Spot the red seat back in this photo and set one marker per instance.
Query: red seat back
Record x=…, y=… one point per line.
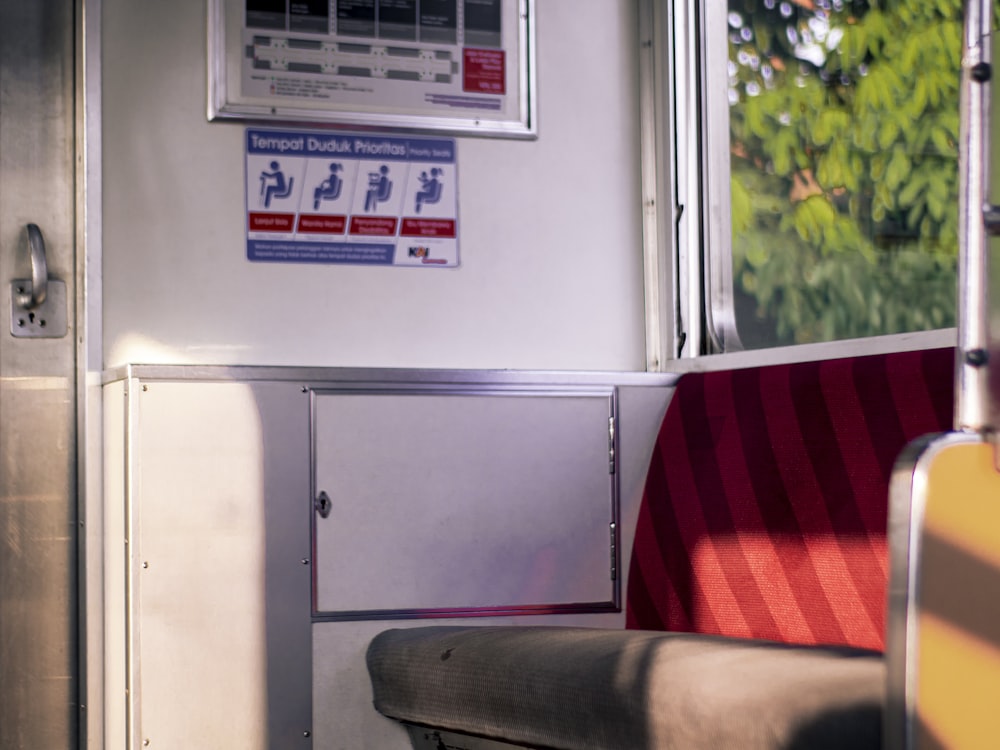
x=764, y=512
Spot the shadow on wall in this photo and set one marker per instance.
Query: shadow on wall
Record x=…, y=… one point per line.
x=288, y=510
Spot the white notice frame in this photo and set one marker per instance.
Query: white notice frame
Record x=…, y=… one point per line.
x=464, y=67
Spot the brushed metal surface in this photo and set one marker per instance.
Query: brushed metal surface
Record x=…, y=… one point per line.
x=972, y=402
x=38, y=591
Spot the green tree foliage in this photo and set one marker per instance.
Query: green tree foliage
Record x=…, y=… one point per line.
x=844, y=132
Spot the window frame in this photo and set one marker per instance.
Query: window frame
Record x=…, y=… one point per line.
x=687, y=230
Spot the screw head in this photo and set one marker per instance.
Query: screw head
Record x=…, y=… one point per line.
x=976, y=357
x=981, y=72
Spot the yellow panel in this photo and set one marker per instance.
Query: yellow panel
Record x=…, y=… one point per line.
x=963, y=504
x=958, y=668
x=957, y=698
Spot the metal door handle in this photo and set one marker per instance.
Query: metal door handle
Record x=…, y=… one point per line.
x=35, y=296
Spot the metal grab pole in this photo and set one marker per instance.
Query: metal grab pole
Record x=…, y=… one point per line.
x=975, y=221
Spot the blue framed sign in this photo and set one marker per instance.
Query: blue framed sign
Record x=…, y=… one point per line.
x=334, y=197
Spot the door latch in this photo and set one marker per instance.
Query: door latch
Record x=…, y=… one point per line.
x=38, y=304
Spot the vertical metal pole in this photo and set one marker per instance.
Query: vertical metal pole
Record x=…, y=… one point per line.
x=972, y=402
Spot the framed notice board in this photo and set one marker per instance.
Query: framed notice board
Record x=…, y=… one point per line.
x=459, y=66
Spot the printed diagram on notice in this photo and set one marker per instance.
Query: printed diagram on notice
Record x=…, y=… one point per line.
x=419, y=66
x=274, y=185
x=320, y=197
x=401, y=57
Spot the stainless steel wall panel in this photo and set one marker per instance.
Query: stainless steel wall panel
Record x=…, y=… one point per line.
x=39, y=675
x=114, y=716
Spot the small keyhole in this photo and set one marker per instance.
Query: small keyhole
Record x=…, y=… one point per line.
x=323, y=505
x=31, y=317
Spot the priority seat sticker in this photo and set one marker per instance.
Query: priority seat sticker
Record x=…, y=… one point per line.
x=334, y=197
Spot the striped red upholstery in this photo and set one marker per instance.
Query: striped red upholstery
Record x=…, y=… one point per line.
x=764, y=512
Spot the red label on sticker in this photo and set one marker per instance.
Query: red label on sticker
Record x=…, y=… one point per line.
x=483, y=71
x=322, y=224
x=380, y=226
x=428, y=228
x=261, y=222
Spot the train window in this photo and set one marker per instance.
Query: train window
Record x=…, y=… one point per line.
x=830, y=143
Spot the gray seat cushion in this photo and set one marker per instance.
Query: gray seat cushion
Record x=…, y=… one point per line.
x=592, y=689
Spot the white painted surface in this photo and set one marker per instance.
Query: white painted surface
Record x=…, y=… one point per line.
x=551, y=274
x=208, y=599
x=474, y=499
x=198, y=543
x=208, y=604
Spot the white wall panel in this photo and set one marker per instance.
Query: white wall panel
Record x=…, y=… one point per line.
x=207, y=522
x=207, y=578
x=551, y=273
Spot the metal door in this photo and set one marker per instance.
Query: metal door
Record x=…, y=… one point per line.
x=39, y=673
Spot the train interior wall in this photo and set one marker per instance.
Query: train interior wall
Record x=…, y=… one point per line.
x=550, y=279
x=549, y=229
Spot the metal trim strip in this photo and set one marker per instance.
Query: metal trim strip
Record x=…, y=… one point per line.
x=373, y=377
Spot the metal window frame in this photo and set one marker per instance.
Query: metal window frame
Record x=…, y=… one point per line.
x=684, y=128
x=717, y=258
x=660, y=209
x=703, y=282
x=704, y=226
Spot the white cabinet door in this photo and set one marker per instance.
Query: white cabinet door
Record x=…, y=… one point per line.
x=463, y=502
